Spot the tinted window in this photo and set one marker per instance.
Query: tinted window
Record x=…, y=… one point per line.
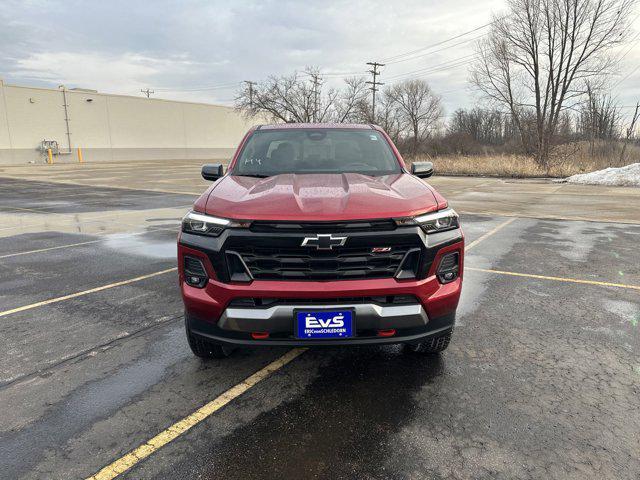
x=272, y=152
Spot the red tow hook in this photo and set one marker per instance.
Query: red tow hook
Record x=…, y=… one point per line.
x=387, y=333
x=260, y=335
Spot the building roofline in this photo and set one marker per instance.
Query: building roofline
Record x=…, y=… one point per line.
x=83, y=91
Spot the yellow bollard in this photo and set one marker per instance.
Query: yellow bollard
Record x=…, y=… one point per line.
x=49, y=156
x=80, y=159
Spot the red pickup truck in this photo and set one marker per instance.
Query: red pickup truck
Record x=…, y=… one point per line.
x=318, y=235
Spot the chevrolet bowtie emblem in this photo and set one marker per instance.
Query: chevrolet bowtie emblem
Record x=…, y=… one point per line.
x=324, y=241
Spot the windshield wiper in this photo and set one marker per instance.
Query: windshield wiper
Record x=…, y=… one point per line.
x=255, y=175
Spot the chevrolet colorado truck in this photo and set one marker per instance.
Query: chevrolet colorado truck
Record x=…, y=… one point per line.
x=316, y=235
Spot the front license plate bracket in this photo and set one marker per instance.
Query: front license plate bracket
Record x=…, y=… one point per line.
x=327, y=324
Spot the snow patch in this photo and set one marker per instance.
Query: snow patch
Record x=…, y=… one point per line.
x=628, y=176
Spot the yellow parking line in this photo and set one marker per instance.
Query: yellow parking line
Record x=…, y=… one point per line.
x=85, y=292
x=557, y=279
x=488, y=234
x=129, y=460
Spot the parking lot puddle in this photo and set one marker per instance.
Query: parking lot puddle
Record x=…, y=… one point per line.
x=89, y=403
x=136, y=244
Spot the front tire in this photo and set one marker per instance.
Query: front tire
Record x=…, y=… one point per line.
x=203, y=348
x=433, y=345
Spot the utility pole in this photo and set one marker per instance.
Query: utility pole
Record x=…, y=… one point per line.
x=65, y=105
x=250, y=85
x=147, y=92
x=316, y=92
x=374, y=85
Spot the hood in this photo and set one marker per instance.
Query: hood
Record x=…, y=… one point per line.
x=320, y=197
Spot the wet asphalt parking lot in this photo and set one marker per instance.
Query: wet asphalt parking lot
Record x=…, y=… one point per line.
x=542, y=379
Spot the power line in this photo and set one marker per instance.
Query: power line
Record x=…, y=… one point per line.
x=430, y=71
x=627, y=76
x=631, y=47
x=441, y=66
x=374, y=84
x=394, y=59
x=473, y=39
x=624, y=55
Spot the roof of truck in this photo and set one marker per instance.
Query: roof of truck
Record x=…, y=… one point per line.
x=315, y=126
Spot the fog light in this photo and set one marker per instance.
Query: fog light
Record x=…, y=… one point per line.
x=449, y=267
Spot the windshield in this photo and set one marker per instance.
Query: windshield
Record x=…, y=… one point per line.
x=273, y=152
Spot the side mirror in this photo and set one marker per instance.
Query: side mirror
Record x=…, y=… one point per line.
x=422, y=169
x=212, y=171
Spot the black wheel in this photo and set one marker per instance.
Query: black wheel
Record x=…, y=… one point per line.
x=203, y=348
x=435, y=344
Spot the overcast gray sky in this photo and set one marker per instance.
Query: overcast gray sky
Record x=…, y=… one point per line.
x=200, y=50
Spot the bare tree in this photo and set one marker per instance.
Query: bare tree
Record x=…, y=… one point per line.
x=482, y=125
x=388, y=115
x=538, y=56
x=300, y=98
x=630, y=132
x=417, y=107
x=599, y=117
x=347, y=105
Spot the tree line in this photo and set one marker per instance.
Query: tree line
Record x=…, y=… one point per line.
x=409, y=111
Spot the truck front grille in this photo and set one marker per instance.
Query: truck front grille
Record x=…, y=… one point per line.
x=266, y=263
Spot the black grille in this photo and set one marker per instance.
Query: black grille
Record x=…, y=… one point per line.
x=448, y=262
x=194, y=266
x=266, y=263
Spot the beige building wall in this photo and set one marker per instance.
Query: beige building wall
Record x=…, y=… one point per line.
x=113, y=127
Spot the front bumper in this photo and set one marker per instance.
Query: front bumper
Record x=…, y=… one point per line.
x=218, y=335
x=212, y=313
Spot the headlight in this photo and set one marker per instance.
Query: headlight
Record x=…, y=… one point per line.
x=441, y=221
x=200, y=224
